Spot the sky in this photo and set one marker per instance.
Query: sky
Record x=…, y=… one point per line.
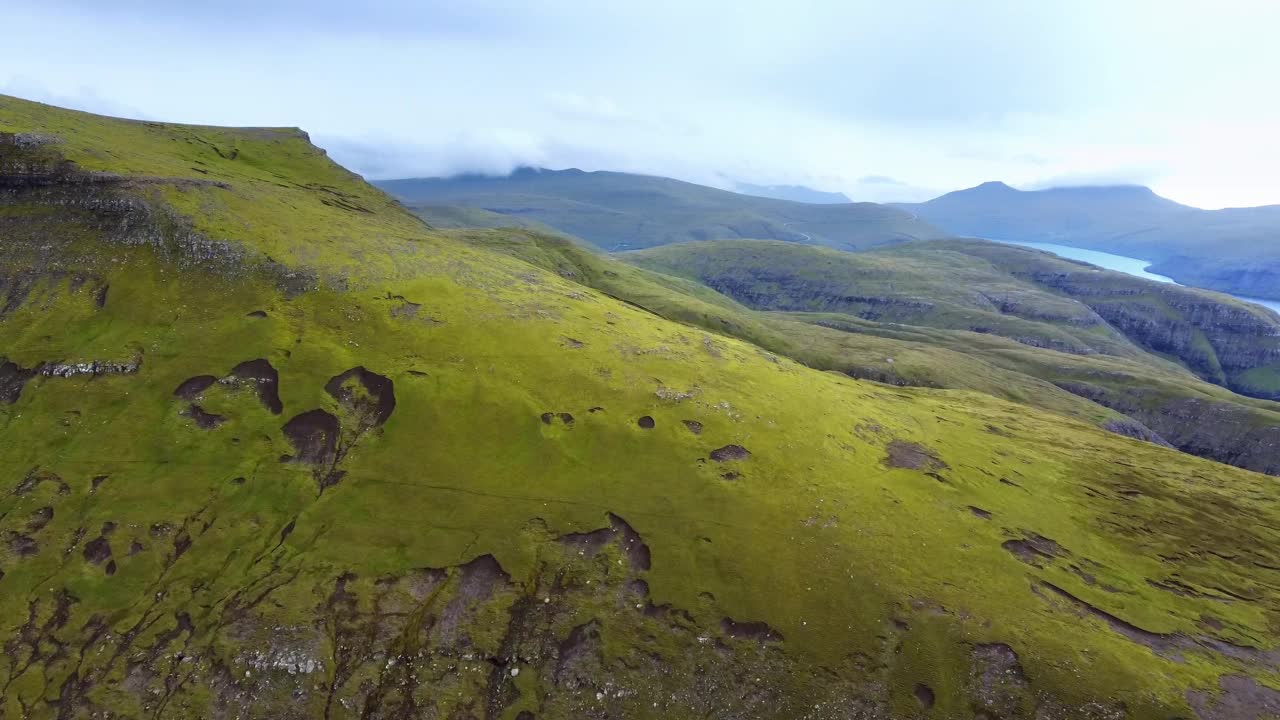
x=884, y=101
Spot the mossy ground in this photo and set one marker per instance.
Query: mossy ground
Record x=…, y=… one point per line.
x=222, y=550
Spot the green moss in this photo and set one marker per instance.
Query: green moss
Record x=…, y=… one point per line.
x=818, y=534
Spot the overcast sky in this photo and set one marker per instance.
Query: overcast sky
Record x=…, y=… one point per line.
x=881, y=100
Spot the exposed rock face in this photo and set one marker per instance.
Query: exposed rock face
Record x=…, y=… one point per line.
x=1217, y=339
x=33, y=172
x=1217, y=430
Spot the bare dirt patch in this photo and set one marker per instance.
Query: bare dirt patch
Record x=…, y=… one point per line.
x=579, y=656
x=590, y=543
x=1000, y=687
x=748, y=630
x=1241, y=698
x=314, y=436
x=39, y=518
x=1034, y=549
x=693, y=426
x=204, y=420
x=12, y=380
x=979, y=512
x=191, y=388
x=646, y=422
x=924, y=694
x=264, y=378
x=912, y=456
x=97, y=551
x=729, y=453
x=368, y=396
x=22, y=545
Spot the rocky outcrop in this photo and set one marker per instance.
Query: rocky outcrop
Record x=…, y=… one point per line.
x=1227, y=432
x=1215, y=337
x=115, y=208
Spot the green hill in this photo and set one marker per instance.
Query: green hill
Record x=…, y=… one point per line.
x=275, y=448
x=1235, y=250
x=618, y=211
x=1140, y=348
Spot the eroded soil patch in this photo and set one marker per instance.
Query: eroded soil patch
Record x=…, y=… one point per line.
x=912, y=456
x=729, y=453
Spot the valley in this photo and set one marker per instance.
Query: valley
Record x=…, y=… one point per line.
x=275, y=447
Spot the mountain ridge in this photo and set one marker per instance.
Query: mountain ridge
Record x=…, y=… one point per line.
x=274, y=447
x=627, y=211
x=1235, y=250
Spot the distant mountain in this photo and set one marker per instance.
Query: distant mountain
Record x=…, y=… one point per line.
x=794, y=193
x=1235, y=250
x=622, y=211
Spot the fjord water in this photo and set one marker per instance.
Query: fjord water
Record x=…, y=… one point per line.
x=1120, y=263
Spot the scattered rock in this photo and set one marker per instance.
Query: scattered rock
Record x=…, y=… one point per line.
x=693, y=426
x=673, y=395
x=1000, y=688
x=1241, y=698
x=93, y=367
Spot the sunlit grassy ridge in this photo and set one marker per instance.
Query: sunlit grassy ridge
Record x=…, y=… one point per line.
x=815, y=546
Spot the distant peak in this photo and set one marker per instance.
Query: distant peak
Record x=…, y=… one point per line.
x=993, y=186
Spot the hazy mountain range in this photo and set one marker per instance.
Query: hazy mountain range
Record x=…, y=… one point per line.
x=1234, y=250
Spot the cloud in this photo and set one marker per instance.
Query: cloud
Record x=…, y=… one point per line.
x=879, y=180
x=82, y=97
x=826, y=93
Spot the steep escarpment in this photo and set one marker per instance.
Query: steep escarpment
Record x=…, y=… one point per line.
x=904, y=285
x=439, y=481
x=1224, y=341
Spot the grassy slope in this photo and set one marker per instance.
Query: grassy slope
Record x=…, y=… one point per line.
x=1099, y=389
x=943, y=289
x=1023, y=294
x=269, y=595
x=937, y=288
x=623, y=211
